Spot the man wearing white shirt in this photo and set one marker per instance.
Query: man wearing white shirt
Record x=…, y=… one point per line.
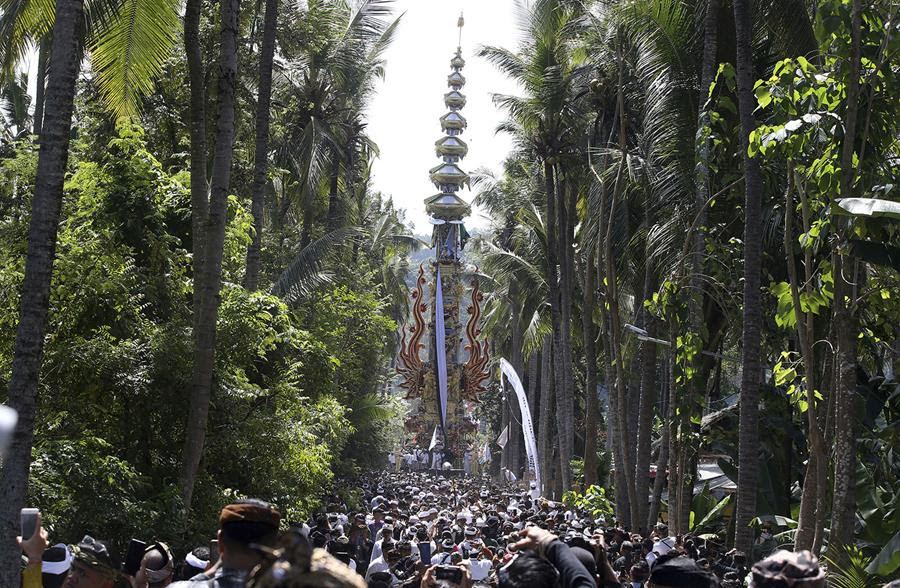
x=382, y=563
x=443, y=556
x=479, y=567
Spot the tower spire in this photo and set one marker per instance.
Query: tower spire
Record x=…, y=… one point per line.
x=447, y=176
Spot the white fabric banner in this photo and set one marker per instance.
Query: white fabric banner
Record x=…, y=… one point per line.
x=437, y=441
x=527, y=428
x=503, y=439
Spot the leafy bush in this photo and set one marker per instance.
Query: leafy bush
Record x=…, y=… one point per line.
x=593, y=501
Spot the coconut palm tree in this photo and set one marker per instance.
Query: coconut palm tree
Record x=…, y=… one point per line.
x=197, y=122
x=516, y=307
x=34, y=301
x=261, y=147
x=127, y=42
x=544, y=123
x=748, y=451
x=207, y=309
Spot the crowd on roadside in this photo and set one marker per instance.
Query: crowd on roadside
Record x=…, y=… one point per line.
x=417, y=529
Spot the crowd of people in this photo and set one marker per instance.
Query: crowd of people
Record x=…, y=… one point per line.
x=423, y=529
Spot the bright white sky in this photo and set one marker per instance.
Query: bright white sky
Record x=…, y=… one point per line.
x=403, y=117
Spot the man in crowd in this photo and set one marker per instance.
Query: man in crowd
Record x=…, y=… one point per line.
x=157, y=567
x=243, y=527
x=93, y=566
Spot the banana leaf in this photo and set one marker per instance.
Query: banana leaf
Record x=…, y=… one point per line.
x=888, y=559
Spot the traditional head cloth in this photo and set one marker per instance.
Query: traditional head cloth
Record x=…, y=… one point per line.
x=168, y=568
x=682, y=572
x=95, y=555
x=57, y=560
x=785, y=569
x=250, y=512
x=195, y=562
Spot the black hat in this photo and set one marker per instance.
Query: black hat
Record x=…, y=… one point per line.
x=681, y=572
x=55, y=565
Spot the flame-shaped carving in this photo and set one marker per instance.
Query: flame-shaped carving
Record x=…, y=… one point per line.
x=410, y=366
x=474, y=372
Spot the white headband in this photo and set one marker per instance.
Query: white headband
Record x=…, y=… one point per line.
x=58, y=567
x=194, y=561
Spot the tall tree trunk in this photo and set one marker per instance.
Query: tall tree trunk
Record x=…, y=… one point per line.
x=613, y=437
x=589, y=332
x=816, y=479
x=612, y=300
x=648, y=400
x=566, y=397
x=213, y=242
x=40, y=85
x=673, y=426
x=261, y=155
x=556, y=319
x=546, y=407
x=334, y=198
x=662, y=460
x=843, y=501
x=34, y=301
x=197, y=116
x=684, y=460
x=748, y=434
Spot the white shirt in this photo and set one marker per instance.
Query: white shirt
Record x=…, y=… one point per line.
x=377, y=551
x=478, y=569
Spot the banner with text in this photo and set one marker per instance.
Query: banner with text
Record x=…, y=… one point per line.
x=527, y=428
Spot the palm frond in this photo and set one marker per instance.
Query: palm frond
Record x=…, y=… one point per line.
x=505, y=60
x=14, y=102
x=311, y=155
x=537, y=328
x=128, y=51
x=511, y=266
x=305, y=273
x=847, y=569
x=22, y=24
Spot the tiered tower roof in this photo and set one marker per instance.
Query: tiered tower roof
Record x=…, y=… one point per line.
x=447, y=176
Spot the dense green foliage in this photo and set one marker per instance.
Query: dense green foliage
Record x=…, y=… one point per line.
x=623, y=203
x=299, y=378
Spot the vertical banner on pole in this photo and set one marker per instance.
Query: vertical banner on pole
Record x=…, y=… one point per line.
x=527, y=429
x=440, y=344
